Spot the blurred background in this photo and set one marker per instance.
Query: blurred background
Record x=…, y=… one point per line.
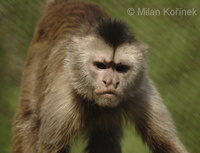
x=174, y=60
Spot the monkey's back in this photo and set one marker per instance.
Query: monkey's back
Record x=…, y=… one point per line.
x=73, y=17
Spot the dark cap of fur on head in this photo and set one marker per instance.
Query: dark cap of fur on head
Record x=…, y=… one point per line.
x=115, y=33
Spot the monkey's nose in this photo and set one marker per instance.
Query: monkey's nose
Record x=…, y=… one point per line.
x=105, y=82
x=117, y=83
x=108, y=83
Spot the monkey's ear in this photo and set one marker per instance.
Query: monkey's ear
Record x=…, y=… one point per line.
x=142, y=47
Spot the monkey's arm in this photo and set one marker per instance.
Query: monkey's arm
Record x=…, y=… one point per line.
x=153, y=122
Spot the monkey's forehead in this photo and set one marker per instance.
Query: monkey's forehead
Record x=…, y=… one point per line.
x=115, y=33
x=95, y=47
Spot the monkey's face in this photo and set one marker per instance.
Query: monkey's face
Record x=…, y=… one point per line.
x=102, y=74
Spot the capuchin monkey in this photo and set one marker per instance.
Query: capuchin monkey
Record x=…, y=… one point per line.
x=85, y=74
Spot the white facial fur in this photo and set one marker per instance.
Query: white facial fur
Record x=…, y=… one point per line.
x=101, y=74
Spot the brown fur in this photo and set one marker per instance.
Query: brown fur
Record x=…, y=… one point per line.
x=52, y=112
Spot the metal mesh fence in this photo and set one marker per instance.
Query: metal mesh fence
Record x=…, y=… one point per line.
x=170, y=28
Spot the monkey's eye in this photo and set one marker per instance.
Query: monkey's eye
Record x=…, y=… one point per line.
x=122, y=68
x=100, y=65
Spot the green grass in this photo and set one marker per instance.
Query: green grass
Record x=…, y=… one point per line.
x=174, y=60
x=8, y=100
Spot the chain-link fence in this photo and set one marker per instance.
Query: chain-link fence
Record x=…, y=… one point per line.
x=170, y=28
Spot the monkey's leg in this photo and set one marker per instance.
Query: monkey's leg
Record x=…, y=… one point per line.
x=105, y=141
x=25, y=132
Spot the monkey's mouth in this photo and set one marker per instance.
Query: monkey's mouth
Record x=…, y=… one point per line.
x=107, y=94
